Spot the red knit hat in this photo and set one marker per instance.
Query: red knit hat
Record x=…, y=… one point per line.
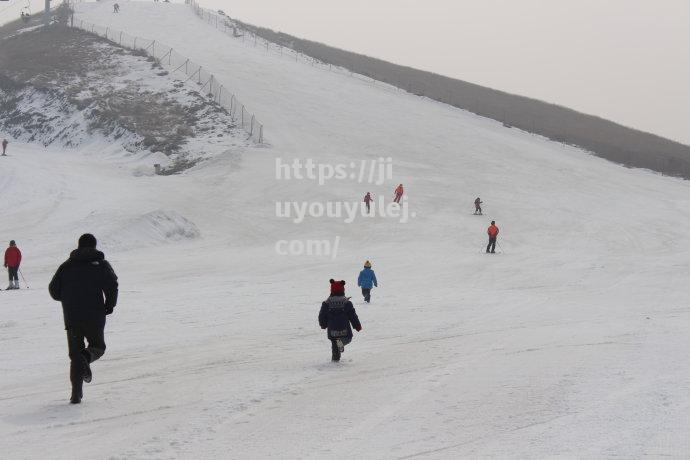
x=337, y=287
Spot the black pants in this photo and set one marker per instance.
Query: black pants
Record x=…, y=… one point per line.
x=13, y=273
x=78, y=352
x=335, y=352
x=367, y=294
x=478, y=210
x=492, y=244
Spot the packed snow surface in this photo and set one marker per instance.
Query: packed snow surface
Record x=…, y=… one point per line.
x=572, y=342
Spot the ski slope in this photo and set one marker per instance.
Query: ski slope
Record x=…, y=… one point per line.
x=570, y=343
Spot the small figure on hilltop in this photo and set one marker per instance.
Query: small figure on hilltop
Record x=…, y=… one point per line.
x=4, y=147
x=367, y=280
x=116, y=8
x=398, y=193
x=367, y=200
x=13, y=258
x=336, y=315
x=478, y=206
x=87, y=287
x=493, y=234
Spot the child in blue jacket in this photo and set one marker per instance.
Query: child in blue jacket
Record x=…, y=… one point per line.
x=367, y=280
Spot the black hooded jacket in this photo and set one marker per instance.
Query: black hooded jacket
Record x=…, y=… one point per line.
x=87, y=287
x=336, y=314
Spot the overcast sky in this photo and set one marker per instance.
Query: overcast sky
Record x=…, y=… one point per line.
x=626, y=60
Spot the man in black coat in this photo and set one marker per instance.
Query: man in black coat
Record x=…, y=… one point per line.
x=87, y=287
x=336, y=315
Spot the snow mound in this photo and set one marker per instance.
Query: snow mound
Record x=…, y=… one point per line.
x=154, y=227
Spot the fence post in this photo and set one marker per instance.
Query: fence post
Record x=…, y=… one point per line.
x=220, y=91
x=106, y=32
x=120, y=38
x=251, y=127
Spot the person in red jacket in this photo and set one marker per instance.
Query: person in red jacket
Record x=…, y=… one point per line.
x=398, y=194
x=367, y=200
x=13, y=257
x=493, y=234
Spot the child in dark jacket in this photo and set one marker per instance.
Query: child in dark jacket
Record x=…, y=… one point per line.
x=336, y=315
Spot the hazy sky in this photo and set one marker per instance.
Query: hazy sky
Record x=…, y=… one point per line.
x=626, y=60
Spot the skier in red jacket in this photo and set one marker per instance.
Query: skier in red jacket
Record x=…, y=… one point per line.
x=367, y=200
x=13, y=257
x=493, y=234
x=398, y=193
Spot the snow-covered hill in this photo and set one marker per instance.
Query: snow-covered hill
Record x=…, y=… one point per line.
x=569, y=343
x=64, y=88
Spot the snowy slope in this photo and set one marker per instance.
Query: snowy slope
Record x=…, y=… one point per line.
x=571, y=343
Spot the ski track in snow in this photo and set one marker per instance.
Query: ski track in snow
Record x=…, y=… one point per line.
x=571, y=343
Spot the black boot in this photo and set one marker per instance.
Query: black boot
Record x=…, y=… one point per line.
x=86, y=370
x=335, y=351
x=76, y=395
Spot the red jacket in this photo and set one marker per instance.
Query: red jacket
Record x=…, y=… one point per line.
x=399, y=190
x=13, y=257
x=492, y=231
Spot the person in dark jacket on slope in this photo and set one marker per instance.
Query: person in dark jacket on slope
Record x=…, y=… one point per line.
x=336, y=315
x=478, y=206
x=367, y=280
x=87, y=287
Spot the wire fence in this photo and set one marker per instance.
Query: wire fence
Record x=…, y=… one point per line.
x=226, y=24
x=176, y=63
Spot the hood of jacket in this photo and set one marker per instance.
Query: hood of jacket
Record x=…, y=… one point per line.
x=86, y=255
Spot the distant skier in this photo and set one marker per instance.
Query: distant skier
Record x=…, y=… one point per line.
x=87, y=287
x=367, y=200
x=13, y=258
x=367, y=280
x=398, y=193
x=116, y=8
x=478, y=206
x=4, y=147
x=336, y=315
x=493, y=234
